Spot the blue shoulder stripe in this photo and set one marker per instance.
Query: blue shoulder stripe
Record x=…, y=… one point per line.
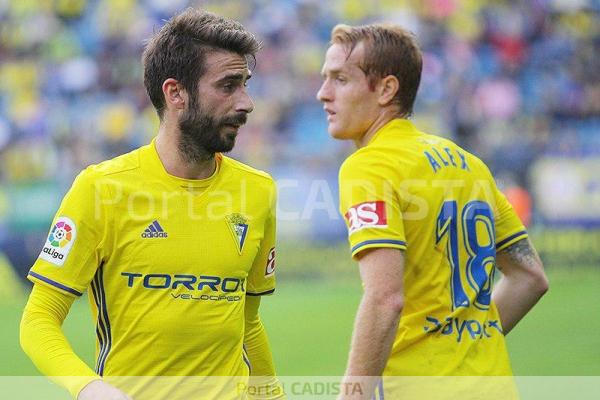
x=55, y=284
x=377, y=241
x=508, y=239
x=260, y=293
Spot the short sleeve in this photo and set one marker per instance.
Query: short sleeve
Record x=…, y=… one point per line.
x=261, y=279
x=370, y=205
x=73, y=249
x=509, y=228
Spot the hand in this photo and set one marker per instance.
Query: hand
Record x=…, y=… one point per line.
x=100, y=390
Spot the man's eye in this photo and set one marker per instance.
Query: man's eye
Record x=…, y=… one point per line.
x=340, y=79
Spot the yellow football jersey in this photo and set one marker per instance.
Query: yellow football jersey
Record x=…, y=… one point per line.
x=168, y=262
x=427, y=196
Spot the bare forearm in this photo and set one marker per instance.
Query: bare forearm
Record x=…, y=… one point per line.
x=523, y=283
x=374, y=332
x=514, y=297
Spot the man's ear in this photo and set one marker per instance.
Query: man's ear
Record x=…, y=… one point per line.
x=388, y=87
x=175, y=94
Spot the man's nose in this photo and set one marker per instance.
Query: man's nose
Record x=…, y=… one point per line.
x=324, y=93
x=245, y=103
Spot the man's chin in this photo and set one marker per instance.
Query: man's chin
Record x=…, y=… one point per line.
x=336, y=133
x=227, y=144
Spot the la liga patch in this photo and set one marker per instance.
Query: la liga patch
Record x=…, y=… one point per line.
x=59, y=242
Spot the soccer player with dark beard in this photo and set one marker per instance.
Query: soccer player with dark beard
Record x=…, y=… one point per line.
x=175, y=241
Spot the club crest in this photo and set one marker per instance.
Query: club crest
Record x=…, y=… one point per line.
x=238, y=225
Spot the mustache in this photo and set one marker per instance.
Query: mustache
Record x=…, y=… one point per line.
x=237, y=119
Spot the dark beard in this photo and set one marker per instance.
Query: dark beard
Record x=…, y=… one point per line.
x=200, y=135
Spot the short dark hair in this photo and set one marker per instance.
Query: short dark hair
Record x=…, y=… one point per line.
x=178, y=50
x=389, y=50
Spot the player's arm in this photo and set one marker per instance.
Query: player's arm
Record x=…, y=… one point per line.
x=522, y=284
x=377, y=318
x=64, y=269
x=256, y=345
x=44, y=342
x=256, y=342
x=261, y=281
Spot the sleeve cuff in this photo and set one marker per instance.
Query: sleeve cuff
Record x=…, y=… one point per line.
x=265, y=293
x=377, y=243
x=37, y=278
x=515, y=237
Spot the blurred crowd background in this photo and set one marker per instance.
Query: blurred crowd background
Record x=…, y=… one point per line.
x=515, y=82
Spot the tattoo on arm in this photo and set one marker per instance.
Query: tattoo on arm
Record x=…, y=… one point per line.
x=522, y=253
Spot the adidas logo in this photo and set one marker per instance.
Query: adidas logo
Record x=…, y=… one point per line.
x=154, y=230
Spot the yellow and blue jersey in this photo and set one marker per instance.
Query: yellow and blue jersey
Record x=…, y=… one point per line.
x=168, y=262
x=439, y=204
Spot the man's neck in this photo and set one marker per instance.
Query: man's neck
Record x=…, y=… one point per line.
x=167, y=147
x=381, y=120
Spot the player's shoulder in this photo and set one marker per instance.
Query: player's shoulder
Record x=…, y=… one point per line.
x=123, y=163
x=370, y=160
x=448, y=151
x=97, y=175
x=243, y=171
x=356, y=161
x=474, y=161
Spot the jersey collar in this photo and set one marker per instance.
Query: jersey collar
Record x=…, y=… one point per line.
x=398, y=127
x=153, y=160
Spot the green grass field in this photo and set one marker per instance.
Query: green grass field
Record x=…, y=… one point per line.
x=309, y=324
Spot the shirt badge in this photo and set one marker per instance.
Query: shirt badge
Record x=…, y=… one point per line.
x=59, y=242
x=238, y=225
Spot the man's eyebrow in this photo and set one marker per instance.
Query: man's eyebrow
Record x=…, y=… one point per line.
x=235, y=77
x=330, y=72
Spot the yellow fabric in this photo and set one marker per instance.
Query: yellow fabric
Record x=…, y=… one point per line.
x=169, y=266
x=425, y=195
x=44, y=342
x=263, y=382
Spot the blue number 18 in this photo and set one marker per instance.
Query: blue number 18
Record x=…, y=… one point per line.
x=477, y=218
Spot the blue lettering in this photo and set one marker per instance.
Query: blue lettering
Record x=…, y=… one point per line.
x=476, y=329
x=189, y=282
x=472, y=332
x=130, y=277
x=485, y=332
x=211, y=281
x=450, y=156
x=164, y=285
x=495, y=324
x=437, y=325
x=448, y=329
x=434, y=164
x=460, y=327
x=463, y=160
x=441, y=158
x=184, y=280
x=229, y=290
